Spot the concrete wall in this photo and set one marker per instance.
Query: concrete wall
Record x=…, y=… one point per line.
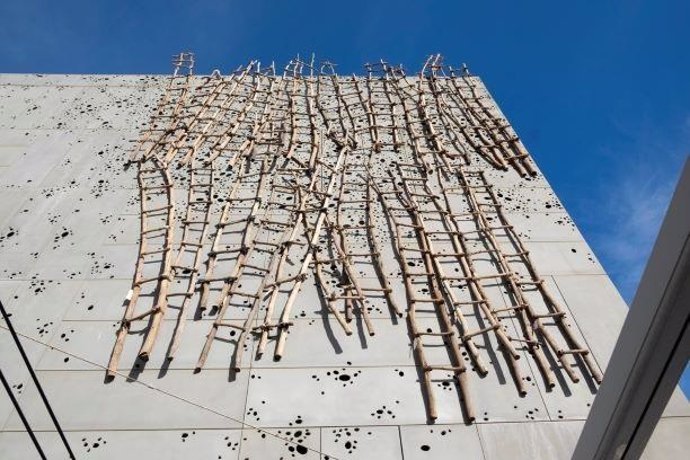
x=68, y=244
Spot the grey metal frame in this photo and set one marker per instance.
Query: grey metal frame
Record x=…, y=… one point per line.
x=653, y=347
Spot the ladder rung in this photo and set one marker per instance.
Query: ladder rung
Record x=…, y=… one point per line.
x=558, y=314
x=232, y=222
x=187, y=222
x=417, y=227
x=405, y=248
x=450, y=254
x=143, y=315
x=159, y=209
x=227, y=279
x=444, y=368
x=481, y=277
x=296, y=277
x=373, y=289
x=513, y=308
x=155, y=278
x=479, y=332
x=356, y=227
x=256, y=267
x=223, y=251
x=436, y=334
x=244, y=294
x=487, y=251
x=157, y=187
x=155, y=251
x=277, y=222
x=153, y=230
x=535, y=282
x=189, y=243
x=228, y=324
x=241, y=199
x=185, y=268
x=432, y=300
x=576, y=351
x=347, y=297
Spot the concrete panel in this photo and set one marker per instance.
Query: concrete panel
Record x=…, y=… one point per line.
x=549, y=226
x=361, y=442
x=64, y=142
x=330, y=347
x=93, y=340
x=168, y=444
x=288, y=442
x=440, y=441
x=564, y=258
x=669, y=440
x=88, y=404
x=598, y=310
x=529, y=441
x=354, y=396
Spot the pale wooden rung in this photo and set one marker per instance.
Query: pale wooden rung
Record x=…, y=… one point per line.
x=228, y=324
x=347, y=297
x=223, y=251
x=190, y=243
x=432, y=300
x=534, y=282
x=256, y=267
x=514, y=308
x=405, y=248
x=479, y=332
x=159, y=209
x=143, y=315
x=576, y=351
x=373, y=289
x=232, y=222
x=559, y=314
x=482, y=277
x=245, y=294
x=474, y=302
x=183, y=267
x=444, y=368
x=449, y=254
x=157, y=187
x=187, y=222
x=436, y=334
x=155, y=278
x=299, y=276
x=214, y=279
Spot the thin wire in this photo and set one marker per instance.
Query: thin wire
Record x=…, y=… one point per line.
x=29, y=431
x=34, y=377
x=168, y=393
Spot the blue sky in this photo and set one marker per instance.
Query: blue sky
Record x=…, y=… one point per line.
x=597, y=90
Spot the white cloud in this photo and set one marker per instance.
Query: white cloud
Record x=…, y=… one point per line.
x=634, y=202
x=636, y=208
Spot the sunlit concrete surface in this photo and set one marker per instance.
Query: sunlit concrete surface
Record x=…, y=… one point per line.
x=68, y=244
